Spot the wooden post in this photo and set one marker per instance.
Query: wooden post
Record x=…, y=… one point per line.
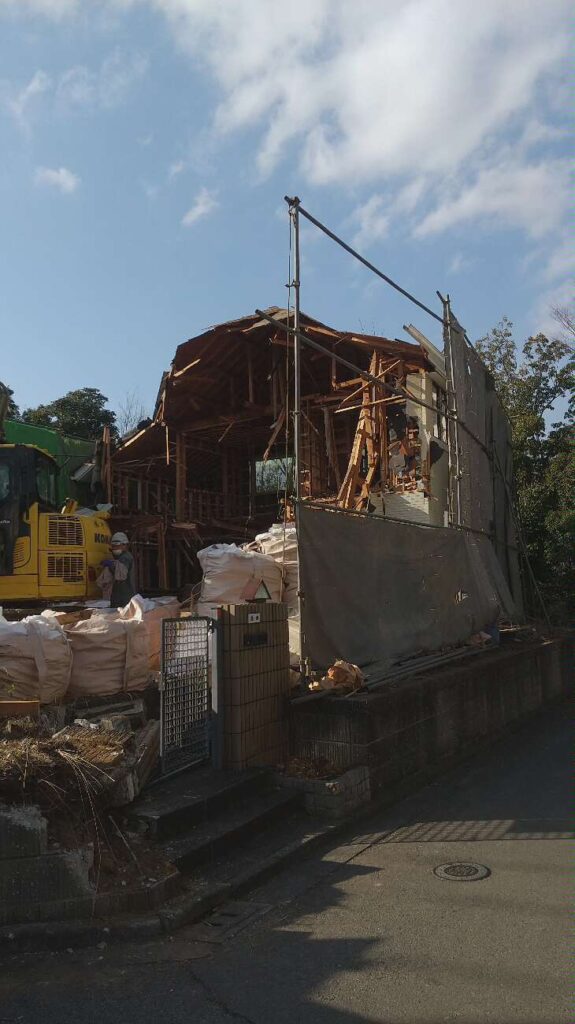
x=330, y=445
x=162, y=562
x=274, y=384
x=181, y=477
x=250, y=376
x=252, y=483
x=383, y=446
x=224, y=468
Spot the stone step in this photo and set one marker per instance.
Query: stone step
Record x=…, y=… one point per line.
x=175, y=805
x=231, y=827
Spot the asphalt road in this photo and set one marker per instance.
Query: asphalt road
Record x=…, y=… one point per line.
x=366, y=932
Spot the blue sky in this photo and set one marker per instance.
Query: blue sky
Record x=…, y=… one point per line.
x=147, y=146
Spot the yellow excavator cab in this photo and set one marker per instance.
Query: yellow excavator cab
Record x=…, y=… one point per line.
x=45, y=555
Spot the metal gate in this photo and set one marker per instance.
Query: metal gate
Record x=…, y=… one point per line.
x=185, y=693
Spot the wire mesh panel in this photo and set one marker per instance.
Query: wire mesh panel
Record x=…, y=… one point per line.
x=185, y=697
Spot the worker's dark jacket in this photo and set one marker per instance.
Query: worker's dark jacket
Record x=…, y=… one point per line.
x=123, y=588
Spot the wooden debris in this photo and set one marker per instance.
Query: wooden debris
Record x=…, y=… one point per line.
x=19, y=708
x=139, y=766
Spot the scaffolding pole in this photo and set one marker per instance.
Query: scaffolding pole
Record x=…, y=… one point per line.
x=294, y=214
x=295, y=284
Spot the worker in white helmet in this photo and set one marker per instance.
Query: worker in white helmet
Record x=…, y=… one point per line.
x=121, y=568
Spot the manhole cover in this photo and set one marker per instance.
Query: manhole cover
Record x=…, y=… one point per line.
x=462, y=872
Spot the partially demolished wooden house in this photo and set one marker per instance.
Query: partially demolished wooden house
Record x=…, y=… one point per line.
x=216, y=462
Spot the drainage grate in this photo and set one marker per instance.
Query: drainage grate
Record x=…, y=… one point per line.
x=227, y=921
x=461, y=871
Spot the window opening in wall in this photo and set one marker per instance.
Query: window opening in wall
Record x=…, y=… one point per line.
x=275, y=476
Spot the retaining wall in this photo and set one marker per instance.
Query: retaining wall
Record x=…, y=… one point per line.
x=434, y=717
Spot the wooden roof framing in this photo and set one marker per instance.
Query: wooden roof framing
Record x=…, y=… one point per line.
x=228, y=384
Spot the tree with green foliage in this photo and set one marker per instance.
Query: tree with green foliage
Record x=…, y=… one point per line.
x=80, y=413
x=13, y=412
x=532, y=386
x=8, y=407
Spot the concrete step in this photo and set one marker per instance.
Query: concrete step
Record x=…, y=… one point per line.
x=26, y=881
x=175, y=805
x=23, y=832
x=232, y=827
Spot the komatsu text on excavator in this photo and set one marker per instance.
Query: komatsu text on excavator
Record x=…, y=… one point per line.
x=46, y=555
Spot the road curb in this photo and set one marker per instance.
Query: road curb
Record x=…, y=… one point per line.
x=52, y=936
x=188, y=908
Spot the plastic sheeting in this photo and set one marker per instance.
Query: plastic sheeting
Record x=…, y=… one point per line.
x=375, y=591
x=486, y=465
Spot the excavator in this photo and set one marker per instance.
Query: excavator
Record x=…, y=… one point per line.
x=47, y=554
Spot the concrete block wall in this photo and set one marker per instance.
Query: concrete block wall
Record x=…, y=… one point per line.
x=34, y=879
x=332, y=798
x=434, y=717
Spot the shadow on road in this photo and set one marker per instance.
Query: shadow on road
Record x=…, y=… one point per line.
x=301, y=963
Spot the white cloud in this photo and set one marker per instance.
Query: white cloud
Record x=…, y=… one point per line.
x=372, y=88
x=542, y=315
x=422, y=97
x=60, y=178
x=530, y=196
x=458, y=263
x=372, y=221
x=204, y=204
x=537, y=132
x=175, y=169
x=437, y=106
x=107, y=87
x=560, y=261
x=51, y=8
x=19, y=102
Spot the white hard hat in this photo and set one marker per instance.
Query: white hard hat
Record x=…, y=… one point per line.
x=120, y=538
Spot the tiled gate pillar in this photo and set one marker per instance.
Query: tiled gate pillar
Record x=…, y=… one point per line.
x=254, y=683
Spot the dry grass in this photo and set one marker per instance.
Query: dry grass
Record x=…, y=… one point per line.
x=74, y=765
x=311, y=768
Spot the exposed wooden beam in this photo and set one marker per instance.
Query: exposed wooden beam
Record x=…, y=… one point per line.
x=181, y=477
x=255, y=412
x=378, y=401
x=179, y=373
x=274, y=434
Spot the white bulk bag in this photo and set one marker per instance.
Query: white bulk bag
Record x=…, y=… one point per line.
x=35, y=660
x=110, y=655
x=280, y=543
x=228, y=571
x=152, y=613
